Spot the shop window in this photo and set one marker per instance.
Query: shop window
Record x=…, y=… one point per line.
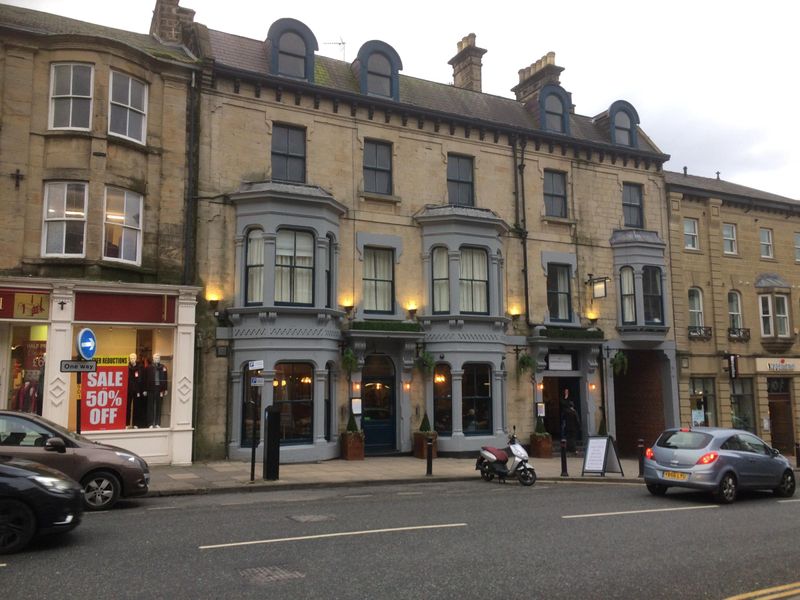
x=64, y=219
x=294, y=268
x=288, y=154
x=123, y=228
x=559, y=305
x=293, y=394
x=71, y=96
x=378, y=280
x=555, y=194
x=476, y=399
x=254, y=273
x=27, y=368
x=440, y=259
x=628, y=294
x=377, y=167
x=703, y=401
x=742, y=405
x=442, y=400
x=474, y=281
x=251, y=409
x=632, y=205
x=653, y=300
x=128, y=107
x=460, y=191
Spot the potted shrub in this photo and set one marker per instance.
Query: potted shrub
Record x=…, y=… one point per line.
x=619, y=363
x=421, y=439
x=525, y=364
x=426, y=362
x=541, y=442
x=352, y=441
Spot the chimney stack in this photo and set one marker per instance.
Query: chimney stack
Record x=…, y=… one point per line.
x=533, y=78
x=467, y=64
x=171, y=21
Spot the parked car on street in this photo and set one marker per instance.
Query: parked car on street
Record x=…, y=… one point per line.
x=106, y=473
x=35, y=500
x=721, y=461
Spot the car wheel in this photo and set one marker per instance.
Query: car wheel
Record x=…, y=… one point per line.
x=787, y=485
x=726, y=492
x=17, y=525
x=656, y=489
x=100, y=490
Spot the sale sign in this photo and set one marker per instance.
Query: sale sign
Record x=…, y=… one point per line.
x=105, y=394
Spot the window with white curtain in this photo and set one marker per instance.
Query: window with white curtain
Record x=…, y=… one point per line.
x=474, y=281
x=628, y=293
x=652, y=296
x=254, y=273
x=441, y=280
x=378, y=280
x=695, y=308
x=294, y=267
x=734, y=310
x=558, y=296
x=782, y=316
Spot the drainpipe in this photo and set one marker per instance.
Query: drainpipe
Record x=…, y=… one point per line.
x=522, y=228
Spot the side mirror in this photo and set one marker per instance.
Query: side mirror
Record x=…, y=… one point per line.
x=774, y=452
x=55, y=444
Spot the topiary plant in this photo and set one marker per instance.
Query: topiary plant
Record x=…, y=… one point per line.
x=349, y=361
x=425, y=426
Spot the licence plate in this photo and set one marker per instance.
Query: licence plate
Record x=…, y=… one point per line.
x=676, y=475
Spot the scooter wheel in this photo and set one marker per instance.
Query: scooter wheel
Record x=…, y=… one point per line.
x=527, y=477
x=486, y=472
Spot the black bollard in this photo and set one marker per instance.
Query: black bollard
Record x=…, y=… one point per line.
x=429, y=456
x=564, y=458
x=797, y=456
x=641, y=457
x=272, y=444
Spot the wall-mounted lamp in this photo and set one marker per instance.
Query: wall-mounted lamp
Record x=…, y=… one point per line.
x=348, y=309
x=412, y=310
x=406, y=386
x=514, y=312
x=540, y=386
x=598, y=284
x=213, y=298
x=592, y=386
x=356, y=387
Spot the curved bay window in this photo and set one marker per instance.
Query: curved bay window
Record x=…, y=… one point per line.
x=474, y=281
x=254, y=274
x=653, y=302
x=476, y=401
x=251, y=410
x=442, y=400
x=294, y=268
x=441, y=280
x=293, y=393
x=628, y=294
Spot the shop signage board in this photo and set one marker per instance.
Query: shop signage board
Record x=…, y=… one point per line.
x=255, y=365
x=778, y=365
x=559, y=362
x=105, y=395
x=15, y=304
x=600, y=456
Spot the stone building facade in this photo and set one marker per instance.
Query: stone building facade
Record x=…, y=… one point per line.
x=736, y=266
x=94, y=134
x=396, y=247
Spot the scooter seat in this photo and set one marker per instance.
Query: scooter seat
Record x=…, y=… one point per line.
x=500, y=455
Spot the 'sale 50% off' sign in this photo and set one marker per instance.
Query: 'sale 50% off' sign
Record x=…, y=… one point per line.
x=105, y=394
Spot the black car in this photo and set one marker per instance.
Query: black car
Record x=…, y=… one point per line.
x=35, y=500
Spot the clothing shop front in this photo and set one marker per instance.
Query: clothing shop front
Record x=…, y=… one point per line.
x=140, y=395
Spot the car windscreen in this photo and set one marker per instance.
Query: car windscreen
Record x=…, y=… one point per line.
x=63, y=431
x=683, y=440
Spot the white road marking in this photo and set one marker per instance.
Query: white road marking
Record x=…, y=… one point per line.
x=795, y=500
x=163, y=508
x=409, y=493
x=637, y=512
x=360, y=496
x=332, y=535
x=781, y=591
x=3, y=565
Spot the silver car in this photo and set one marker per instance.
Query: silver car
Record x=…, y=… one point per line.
x=721, y=461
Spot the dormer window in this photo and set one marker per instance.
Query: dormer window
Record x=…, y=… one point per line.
x=292, y=49
x=624, y=119
x=292, y=55
x=554, y=113
x=554, y=108
x=377, y=67
x=379, y=75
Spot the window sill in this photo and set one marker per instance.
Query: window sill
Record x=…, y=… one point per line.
x=731, y=255
x=557, y=220
x=693, y=250
x=768, y=259
x=384, y=198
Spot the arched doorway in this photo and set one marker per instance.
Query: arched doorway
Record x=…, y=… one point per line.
x=378, y=404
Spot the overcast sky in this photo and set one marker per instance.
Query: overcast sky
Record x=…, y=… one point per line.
x=715, y=82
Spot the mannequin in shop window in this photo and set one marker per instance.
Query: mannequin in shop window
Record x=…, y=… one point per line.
x=136, y=407
x=155, y=391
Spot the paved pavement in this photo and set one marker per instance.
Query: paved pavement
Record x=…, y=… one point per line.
x=227, y=476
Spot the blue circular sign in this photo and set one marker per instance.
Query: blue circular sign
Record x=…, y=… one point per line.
x=87, y=344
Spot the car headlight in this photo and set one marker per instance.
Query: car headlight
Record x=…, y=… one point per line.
x=53, y=484
x=126, y=456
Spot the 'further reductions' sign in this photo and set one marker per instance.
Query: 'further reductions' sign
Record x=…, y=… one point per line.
x=104, y=395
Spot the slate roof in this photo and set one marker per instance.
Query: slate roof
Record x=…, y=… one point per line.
x=46, y=24
x=706, y=185
x=248, y=55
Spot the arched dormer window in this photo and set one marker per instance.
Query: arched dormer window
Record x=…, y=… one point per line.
x=292, y=49
x=554, y=104
x=623, y=119
x=377, y=67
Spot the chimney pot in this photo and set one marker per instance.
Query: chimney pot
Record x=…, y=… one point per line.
x=467, y=64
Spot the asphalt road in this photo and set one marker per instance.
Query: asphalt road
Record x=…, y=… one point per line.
x=448, y=540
